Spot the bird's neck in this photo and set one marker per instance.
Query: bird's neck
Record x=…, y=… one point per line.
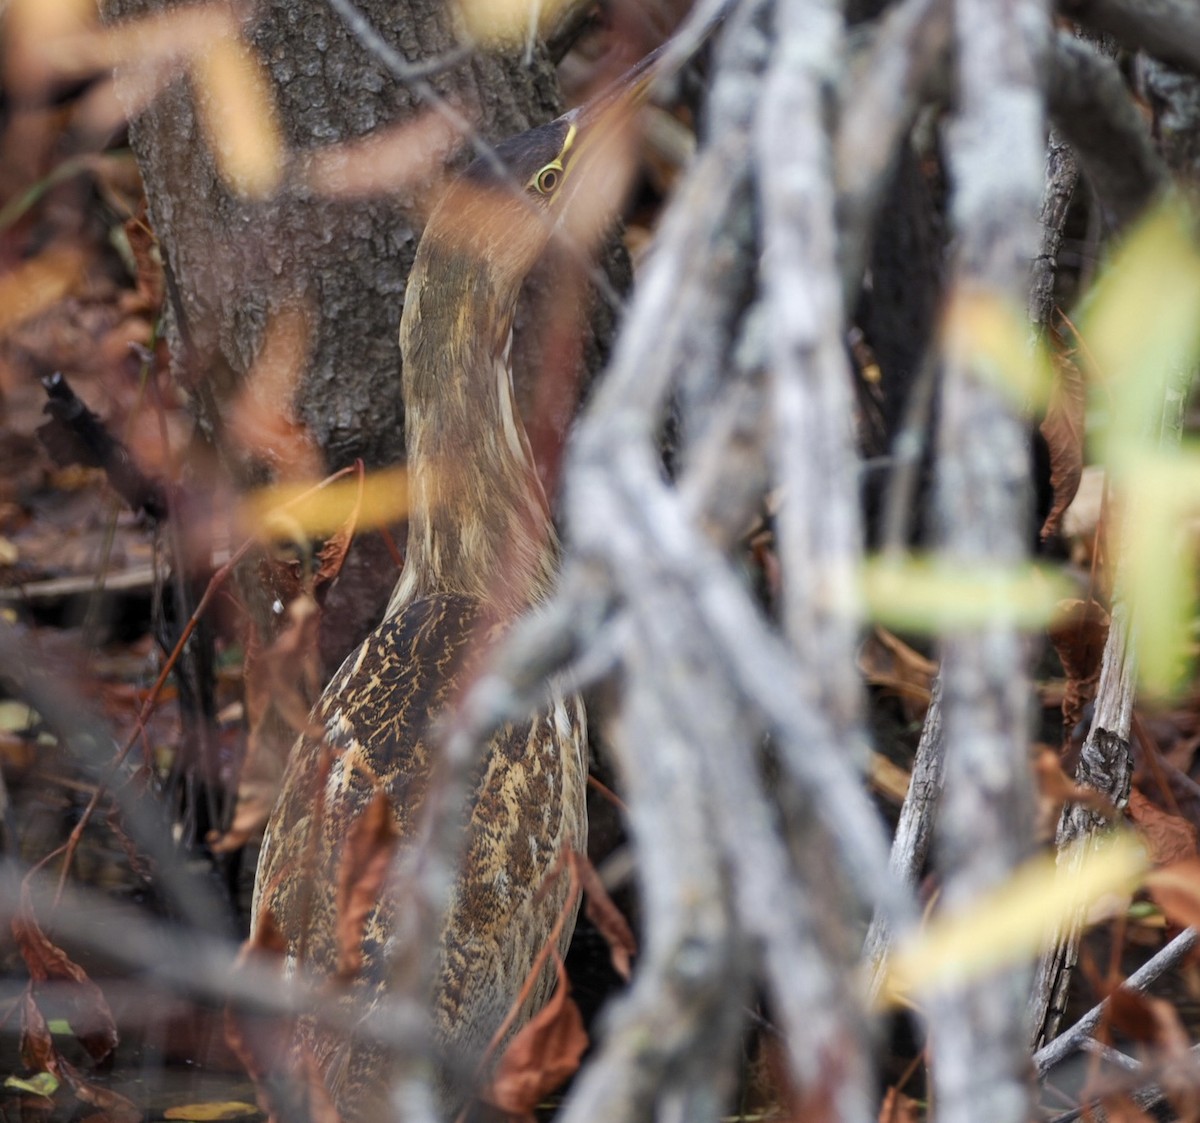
x=479, y=523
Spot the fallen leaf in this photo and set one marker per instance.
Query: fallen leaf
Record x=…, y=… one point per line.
x=366, y=858
x=1176, y=891
x=542, y=1055
x=43, y=1084
x=896, y=668
x=1063, y=428
x=91, y=1017
x=37, y=1046
x=337, y=545
x=1079, y=632
x=203, y=1112
x=33, y=286
x=1168, y=837
x=610, y=922
x=1056, y=788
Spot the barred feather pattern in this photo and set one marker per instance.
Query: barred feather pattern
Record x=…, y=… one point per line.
x=525, y=806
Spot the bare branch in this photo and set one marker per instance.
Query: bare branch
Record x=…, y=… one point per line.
x=1074, y=1038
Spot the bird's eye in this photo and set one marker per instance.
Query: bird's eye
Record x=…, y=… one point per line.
x=548, y=179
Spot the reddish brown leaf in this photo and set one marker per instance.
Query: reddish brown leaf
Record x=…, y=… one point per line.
x=1168, y=838
x=90, y=1017
x=366, y=858
x=1063, y=428
x=1078, y=633
x=889, y=663
x=337, y=545
x=1132, y=1014
x=280, y=681
x=1055, y=788
x=1176, y=890
x=1121, y=1109
x=38, y=1053
x=116, y=1108
x=608, y=919
x=542, y=1055
x=263, y=1043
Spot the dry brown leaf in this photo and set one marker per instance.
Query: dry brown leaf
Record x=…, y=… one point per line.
x=1176, y=890
x=1133, y=1014
x=337, y=545
x=542, y=1055
x=610, y=922
x=1078, y=633
x=1168, y=838
x=35, y=285
x=209, y=1112
x=116, y=1108
x=888, y=662
x=38, y=1053
x=1056, y=788
x=366, y=857
x=1121, y=1109
x=90, y=1017
x=1063, y=427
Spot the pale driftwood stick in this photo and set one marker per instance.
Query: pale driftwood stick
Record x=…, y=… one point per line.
x=1145, y=1095
x=914, y=831
x=1168, y=29
x=816, y=467
x=978, y=1045
x=1072, y=1039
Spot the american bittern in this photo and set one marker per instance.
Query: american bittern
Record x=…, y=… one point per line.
x=481, y=550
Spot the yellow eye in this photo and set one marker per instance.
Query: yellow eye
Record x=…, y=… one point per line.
x=548, y=179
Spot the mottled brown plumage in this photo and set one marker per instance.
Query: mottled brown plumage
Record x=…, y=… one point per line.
x=481, y=550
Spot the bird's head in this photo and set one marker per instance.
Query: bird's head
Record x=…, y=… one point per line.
x=501, y=212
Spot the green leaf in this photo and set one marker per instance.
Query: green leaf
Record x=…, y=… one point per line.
x=43, y=1084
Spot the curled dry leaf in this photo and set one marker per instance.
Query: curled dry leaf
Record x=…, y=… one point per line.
x=30, y=288
x=608, y=919
x=1063, y=428
x=337, y=545
x=280, y=681
x=1176, y=890
x=1079, y=632
x=891, y=664
x=1167, y=837
x=263, y=1044
x=367, y=856
x=542, y=1055
x=1056, y=788
x=90, y=1016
